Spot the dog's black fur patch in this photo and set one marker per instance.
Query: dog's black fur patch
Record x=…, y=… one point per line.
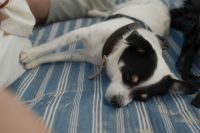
x=157, y=89
x=137, y=63
x=162, y=87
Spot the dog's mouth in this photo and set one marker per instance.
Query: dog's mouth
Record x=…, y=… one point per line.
x=117, y=95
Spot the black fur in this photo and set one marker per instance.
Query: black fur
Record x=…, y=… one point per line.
x=162, y=87
x=137, y=63
x=187, y=19
x=159, y=88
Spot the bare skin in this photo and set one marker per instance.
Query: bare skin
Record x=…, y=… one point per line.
x=16, y=118
x=40, y=9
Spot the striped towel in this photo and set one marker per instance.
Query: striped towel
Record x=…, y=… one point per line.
x=67, y=102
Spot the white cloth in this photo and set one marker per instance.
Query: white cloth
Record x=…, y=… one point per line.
x=20, y=21
x=19, y=26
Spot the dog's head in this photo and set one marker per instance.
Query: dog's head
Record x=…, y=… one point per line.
x=138, y=70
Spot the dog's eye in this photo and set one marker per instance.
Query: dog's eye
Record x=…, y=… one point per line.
x=135, y=78
x=137, y=50
x=129, y=77
x=140, y=50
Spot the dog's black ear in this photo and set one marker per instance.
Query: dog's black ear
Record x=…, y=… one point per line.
x=137, y=44
x=183, y=87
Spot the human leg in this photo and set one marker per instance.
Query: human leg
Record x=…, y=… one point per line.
x=16, y=118
x=40, y=9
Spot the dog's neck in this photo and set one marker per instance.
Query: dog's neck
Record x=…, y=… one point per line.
x=119, y=33
x=138, y=23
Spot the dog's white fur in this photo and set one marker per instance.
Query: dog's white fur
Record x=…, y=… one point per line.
x=152, y=12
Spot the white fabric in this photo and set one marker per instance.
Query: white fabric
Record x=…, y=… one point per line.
x=10, y=68
x=19, y=25
x=20, y=21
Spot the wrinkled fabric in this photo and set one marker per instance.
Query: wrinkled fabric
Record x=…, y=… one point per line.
x=20, y=20
x=14, y=33
x=61, y=10
x=10, y=67
x=67, y=102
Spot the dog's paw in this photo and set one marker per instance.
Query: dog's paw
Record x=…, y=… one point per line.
x=28, y=55
x=32, y=64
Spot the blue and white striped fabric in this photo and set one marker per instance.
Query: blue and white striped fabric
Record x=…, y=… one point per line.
x=67, y=102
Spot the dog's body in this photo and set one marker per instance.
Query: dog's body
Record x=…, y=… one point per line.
x=134, y=65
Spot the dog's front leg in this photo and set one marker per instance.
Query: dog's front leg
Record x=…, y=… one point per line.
x=76, y=55
x=28, y=55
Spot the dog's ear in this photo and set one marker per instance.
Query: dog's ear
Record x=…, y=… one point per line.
x=161, y=88
x=138, y=44
x=183, y=87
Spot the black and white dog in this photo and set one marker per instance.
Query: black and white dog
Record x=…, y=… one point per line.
x=127, y=41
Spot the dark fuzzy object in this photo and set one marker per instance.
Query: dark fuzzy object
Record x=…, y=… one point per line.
x=187, y=19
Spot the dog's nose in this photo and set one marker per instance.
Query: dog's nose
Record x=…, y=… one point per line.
x=116, y=101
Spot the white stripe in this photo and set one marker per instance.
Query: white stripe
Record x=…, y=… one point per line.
x=51, y=109
x=97, y=107
x=39, y=37
x=58, y=95
x=142, y=116
x=97, y=104
x=178, y=101
x=59, y=91
x=146, y=116
x=40, y=92
x=26, y=82
x=66, y=28
x=138, y=115
x=120, y=120
x=170, y=128
x=75, y=110
x=164, y=114
x=100, y=96
x=95, y=120
x=101, y=102
x=48, y=110
x=188, y=113
x=53, y=32
x=182, y=113
x=56, y=101
x=93, y=109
